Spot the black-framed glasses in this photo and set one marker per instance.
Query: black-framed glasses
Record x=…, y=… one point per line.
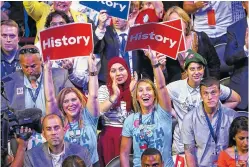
x=28, y=50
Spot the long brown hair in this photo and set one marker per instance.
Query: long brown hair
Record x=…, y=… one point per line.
x=61, y=97
x=185, y=17
x=136, y=105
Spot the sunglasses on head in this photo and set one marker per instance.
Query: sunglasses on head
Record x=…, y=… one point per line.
x=28, y=50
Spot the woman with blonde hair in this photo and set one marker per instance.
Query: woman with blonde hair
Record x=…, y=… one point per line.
x=196, y=41
x=151, y=124
x=80, y=116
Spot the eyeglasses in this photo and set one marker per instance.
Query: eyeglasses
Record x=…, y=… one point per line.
x=28, y=50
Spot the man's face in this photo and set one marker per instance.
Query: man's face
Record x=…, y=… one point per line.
x=152, y=161
x=118, y=23
x=9, y=38
x=53, y=131
x=31, y=66
x=63, y=6
x=210, y=96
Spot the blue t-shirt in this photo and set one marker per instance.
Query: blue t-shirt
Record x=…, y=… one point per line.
x=86, y=136
x=148, y=135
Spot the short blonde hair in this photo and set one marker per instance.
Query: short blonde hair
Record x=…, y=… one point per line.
x=136, y=105
x=185, y=17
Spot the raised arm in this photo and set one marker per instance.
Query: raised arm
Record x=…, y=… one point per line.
x=51, y=102
x=164, y=99
x=35, y=9
x=233, y=100
x=92, y=102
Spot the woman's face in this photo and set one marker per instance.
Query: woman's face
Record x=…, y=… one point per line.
x=174, y=16
x=145, y=95
x=241, y=139
x=118, y=72
x=72, y=105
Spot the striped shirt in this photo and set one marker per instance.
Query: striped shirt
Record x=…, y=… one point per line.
x=115, y=116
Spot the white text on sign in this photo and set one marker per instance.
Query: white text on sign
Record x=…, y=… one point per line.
x=114, y=5
x=152, y=36
x=51, y=42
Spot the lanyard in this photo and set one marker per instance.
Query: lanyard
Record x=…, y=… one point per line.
x=236, y=155
x=34, y=96
x=214, y=135
x=152, y=118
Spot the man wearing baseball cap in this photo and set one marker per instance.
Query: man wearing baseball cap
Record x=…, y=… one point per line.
x=185, y=94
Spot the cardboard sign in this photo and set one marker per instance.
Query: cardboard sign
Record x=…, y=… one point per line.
x=178, y=25
x=118, y=9
x=67, y=41
x=161, y=38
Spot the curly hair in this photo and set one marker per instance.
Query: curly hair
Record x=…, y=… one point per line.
x=54, y=14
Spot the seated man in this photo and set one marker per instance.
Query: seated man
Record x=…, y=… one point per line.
x=24, y=88
x=205, y=129
x=55, y=150
x=185, y=94
x=151, y=157
x=236, y=54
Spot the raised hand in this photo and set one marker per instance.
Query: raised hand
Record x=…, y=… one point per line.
x=200, y=4
x=115, y=89
x=133, y=82
x=151, y=54
x=103, y=17
x=47, y=64
x=68, y=65
x=92, y=63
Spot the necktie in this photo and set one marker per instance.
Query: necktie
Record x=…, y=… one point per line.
x=237, y=11
x=124, y=54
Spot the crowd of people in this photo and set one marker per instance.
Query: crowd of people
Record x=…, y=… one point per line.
x=113, y=103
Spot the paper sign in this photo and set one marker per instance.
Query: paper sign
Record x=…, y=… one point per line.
x=67, y=41
x=118, y=9
x=178, y=25
x=161, y=38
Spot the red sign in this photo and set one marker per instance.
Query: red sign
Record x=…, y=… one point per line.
x=178, y=25
x=161, y=38
x=67, y=41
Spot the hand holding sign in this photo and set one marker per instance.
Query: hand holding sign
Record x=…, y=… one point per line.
x=103, y=16
x=92, y=63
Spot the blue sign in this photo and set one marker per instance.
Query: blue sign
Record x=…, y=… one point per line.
x=118, y=9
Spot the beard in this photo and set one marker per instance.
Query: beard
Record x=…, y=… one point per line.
x=33, y=77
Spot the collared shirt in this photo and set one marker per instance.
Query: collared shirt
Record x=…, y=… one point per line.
x=9, y=67
x=196, y=132
x=185, y=99
x=223, y=18
x=57, y=159
x=100, y=35
x=40, y=101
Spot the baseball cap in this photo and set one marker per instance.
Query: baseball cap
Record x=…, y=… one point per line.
x=194, y=57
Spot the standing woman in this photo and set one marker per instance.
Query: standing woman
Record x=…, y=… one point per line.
x=196, y=41
x=80, y=117
x=115, y=105
x=151, y=124
x=236, y=155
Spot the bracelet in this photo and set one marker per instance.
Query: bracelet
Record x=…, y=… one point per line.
x=93, y=73
x=113, y=102
x=156, y=65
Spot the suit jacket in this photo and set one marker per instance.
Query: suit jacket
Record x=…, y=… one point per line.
x=15, y=81
x=108, y=48
x=40, y=157
x=235, y=55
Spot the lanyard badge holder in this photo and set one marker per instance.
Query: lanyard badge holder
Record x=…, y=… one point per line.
x=146, y=130
x=75, y=135
x=211, y=18
x=214, y=135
